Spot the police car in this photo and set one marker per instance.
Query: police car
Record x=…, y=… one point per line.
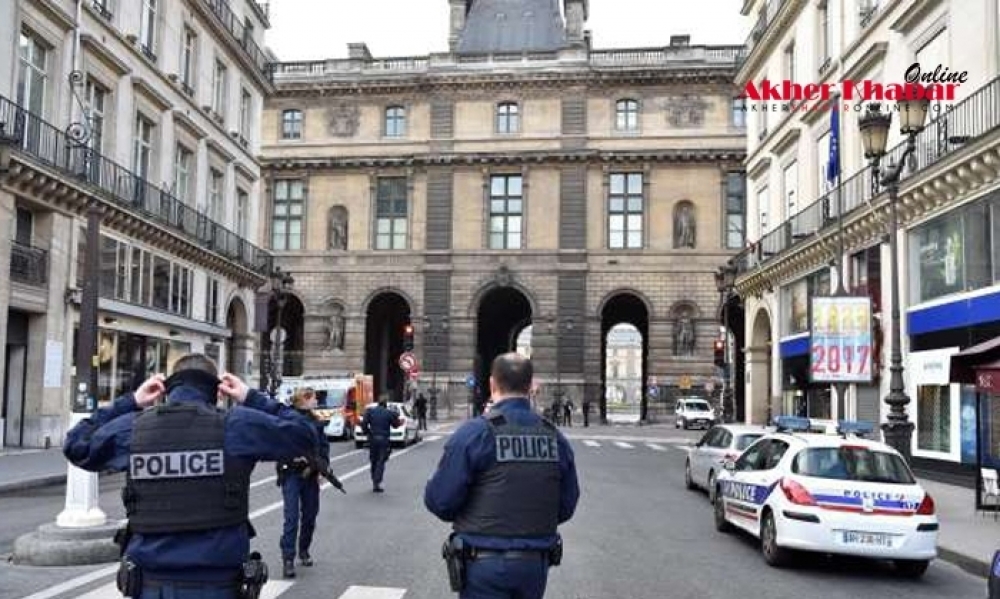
x=841, y=494
x=404, y=434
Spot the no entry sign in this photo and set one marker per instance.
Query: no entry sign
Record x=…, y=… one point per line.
x=407, y=361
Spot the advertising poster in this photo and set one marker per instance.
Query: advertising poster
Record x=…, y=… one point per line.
x=841, y=340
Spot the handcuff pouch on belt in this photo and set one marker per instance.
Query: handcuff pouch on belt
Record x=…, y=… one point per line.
x=129, y=579
x=253, y=576
x=455, y=554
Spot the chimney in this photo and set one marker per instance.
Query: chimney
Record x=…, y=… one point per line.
x=577, y=13
x=459, y=10
x=359, y=51
x=680, y=40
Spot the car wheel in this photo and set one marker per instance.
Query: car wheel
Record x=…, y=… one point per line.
x=677, y=424
x=912, y=568
x=719, y=512
x=688, y=482
x=775, y=555
x=711, y=486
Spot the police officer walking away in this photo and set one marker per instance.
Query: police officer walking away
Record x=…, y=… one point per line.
x=420, y=405
x=299, y=482
x=377, y=424
x=188, y=470
x=505, y=482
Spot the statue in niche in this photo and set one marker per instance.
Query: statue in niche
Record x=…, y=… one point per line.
x=685, y=229
x=337, y=235
x=684, y=335
x=335, y=329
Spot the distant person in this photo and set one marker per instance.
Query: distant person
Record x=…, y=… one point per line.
x=586, y=412
x=505, y=502
x=557, y=411
x=377, y=424
x=188, y=535
x=420, y=405
x=568, y=412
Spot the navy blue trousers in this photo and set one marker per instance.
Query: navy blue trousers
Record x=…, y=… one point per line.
x=186, y=592
x=301, y=497
x=378, y=455
x=501, y=578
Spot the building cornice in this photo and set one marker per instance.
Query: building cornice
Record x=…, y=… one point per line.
x=98, y=50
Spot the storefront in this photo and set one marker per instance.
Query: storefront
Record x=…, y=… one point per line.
x=799, y=396
x=127, y=359
x=978, y=367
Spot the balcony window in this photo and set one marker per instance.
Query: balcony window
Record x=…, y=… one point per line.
x=508, y=117
x=395, y=121
x=625, y=211
x=789, y=61
x=246, y=115
x=506, y=212
x=791, y=188
x=736, y=213
x=180, y=289
x=182, y=174
x=147, y=28
x=142, y=150
x=391, y=213
x=763, y=203
x=242, y=212
x=291, y=124
x=215, y=201
x=212, y=298
x=220, y=90
x=189, y=58
x=627, y=115
x=824, y=33
x=286, y=218
x=96, y=98
x=32, y=73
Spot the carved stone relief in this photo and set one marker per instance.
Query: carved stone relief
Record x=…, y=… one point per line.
x=343, y=119
x=687, y=110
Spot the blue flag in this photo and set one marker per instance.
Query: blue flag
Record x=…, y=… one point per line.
x=833, y=160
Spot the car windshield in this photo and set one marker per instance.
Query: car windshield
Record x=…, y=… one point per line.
x=331, y=398
x=852, y=463
x=698, y=406
x=744, y=441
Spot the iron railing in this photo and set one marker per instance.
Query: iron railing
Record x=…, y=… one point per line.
x=50, y=146
x=949, y=131
x=29, y=265
x=765, y=19
x=221, y=10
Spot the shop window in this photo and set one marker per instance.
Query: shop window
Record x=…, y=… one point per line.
x=934, y=418
x=866, y=275
x=161, y=283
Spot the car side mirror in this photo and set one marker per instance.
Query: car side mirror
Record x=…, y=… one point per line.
x=729, y=465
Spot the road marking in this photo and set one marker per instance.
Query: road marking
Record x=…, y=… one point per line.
x=656, y=447
x=372, y=593
x=684, y=448
x=590, y=443
x=272, y=478
x=434, y=438
x=623, y=445
x=272, y=590
x=629, y=438
x=84, y=579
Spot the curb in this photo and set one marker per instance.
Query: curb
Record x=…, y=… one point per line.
x=32, y=483
x=972, y=565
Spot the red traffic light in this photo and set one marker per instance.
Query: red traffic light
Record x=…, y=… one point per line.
x=408, y=329
x=720, y=345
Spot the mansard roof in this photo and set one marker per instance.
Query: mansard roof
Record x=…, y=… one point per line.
x=498, y=26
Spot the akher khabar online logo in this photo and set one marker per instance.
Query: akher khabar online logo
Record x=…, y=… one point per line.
x=938, y=86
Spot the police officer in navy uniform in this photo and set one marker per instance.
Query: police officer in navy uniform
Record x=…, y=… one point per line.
x=377, y=423
x=299, y=482
x=506, y=481
x=188, y=470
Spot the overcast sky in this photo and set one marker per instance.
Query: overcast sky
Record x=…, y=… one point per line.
x=313, y=29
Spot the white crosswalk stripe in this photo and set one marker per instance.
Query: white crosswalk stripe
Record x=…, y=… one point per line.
x=624, y=445
x=590, y=443
x=272, y=590
x=373, y=593
x=683, y=448
x=656, y=447
x=434, y=438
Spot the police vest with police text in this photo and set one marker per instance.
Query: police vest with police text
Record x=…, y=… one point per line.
x=179, y=477
x=518, y=496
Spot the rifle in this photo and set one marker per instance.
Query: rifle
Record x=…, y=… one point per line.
x=333, y=480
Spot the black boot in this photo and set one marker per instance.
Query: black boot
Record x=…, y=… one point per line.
x=305, y=559
x=289, y=569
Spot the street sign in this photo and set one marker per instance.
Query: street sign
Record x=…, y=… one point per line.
x=277, y=333
x=841, y=340
x=407, y=361
x=470, y=381
x=414, y=374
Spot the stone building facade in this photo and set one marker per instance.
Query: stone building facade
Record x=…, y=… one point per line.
x=515, y=180
x=148, y=111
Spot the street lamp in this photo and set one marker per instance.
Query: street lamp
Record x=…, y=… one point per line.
x=874, y=127
x=281, y=285
x=725, y=280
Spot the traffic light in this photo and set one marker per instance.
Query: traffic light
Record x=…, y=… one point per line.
x=408, y=337
x=720, y=353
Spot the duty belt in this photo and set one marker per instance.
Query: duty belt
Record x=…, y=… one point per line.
x=476, y=553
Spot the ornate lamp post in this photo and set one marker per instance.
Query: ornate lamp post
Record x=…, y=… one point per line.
x=281, y=285
x=874, y=127
x=725, y=280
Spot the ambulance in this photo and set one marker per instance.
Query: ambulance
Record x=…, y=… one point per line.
x=340, y=400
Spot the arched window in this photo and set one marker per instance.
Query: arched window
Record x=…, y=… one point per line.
x=291, y=124
x=395, y=121
x=627, y=115
x=508, y=117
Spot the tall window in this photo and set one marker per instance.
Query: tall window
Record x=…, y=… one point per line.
x=147, y=28
x=390, y=214
x=395, y=121
x=242, y=212
x=219, y=88
x=736, y=215
x=142, y=152
x=627, y=115
x=215, y=205
x=506, y=212
x=625, y=211
x=286, y=220
x=180, y=289
x=739, y=113
x=823, y=31
x=508, y=117
x=791, y=188
x=182, y=174
x=96, y=97
x=291, y=124
x=246, y=112
x=212, y=301
x=789, y=59
x=763, y=203
x=32, y=73
x=189, y=47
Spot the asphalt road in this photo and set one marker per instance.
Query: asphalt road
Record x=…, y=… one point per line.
x=638, y=534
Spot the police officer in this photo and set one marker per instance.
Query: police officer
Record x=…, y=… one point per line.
x=993, y=587
x=188, y=470
x=506, y=481
x=299, y=482
x=377, y=424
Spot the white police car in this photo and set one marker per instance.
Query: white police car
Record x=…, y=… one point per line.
x=838, y=494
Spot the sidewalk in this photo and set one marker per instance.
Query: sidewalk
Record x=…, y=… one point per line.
x=29, y=469
x=967, y=539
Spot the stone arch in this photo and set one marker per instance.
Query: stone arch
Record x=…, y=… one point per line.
x=759, y=352
x=685, y=306
x=685, y=225
x=375, y=293
x=484, y=290
x=625, y=291
x=239, y=345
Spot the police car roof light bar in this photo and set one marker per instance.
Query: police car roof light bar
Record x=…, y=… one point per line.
x=792, y=424
x=856, y=428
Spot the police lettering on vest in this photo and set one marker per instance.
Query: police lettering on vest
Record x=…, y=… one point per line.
x=527, y=448
x=177, y=464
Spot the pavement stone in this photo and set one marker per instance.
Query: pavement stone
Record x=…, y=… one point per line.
x=967, y=539
x=22, y=470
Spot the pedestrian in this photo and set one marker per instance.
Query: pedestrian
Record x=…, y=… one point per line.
x=377, y=424
x=557, y=411
x=421, y=407
x=504, y=501
x=568, y=408
x=299, y=482
x=188, y=537
x=586, y=412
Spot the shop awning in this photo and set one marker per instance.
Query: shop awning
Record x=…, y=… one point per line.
x=983, y=359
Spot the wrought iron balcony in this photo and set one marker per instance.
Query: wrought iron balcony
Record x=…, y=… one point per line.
x=764, y=21
x=29, y=265
x=949, y=131
x=44, y=143
x=221, y=10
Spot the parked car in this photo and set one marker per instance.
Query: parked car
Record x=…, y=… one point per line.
x=707, y=457
x=404, y=434
x=693, y=412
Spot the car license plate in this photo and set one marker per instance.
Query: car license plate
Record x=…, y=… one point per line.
x=873, y=539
